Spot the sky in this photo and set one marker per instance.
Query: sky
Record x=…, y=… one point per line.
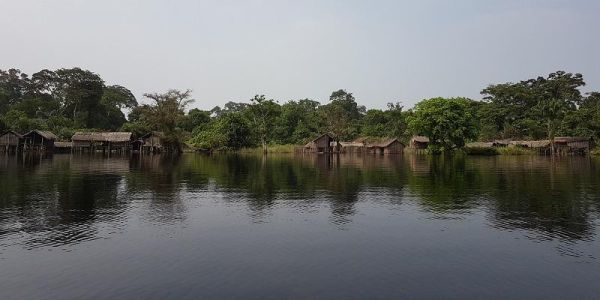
x=381, y=51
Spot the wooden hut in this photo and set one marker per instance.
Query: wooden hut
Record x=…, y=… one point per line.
x=62, y=147
x=572, y=145
x=11, y=142
x=153, y=142
x=352, y=147
x=322, y=144
x=389, y=146
x=38, y=140
x=419, y=142
x=102, y=141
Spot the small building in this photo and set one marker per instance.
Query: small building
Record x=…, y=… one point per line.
x=480, y=145
x=62, y=147
x=572, y=145
x=101, y=141
x=38, y=140
x=500, y=143
x=11, y=142
x=389, y=146
x=322, y=144
x=419, y=142
x=352, y=147
x=153, y=142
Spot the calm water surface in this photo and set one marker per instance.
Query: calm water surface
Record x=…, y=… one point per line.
x=76, y=227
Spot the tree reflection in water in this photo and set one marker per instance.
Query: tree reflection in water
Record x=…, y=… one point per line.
x=62, y=199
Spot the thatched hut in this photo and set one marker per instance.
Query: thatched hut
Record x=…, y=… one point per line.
x=153, y=142
x=479, y=145
x=352, y=147
x=388, y=146
x=11, y=142
x=572, y=145
x=38, y=140
x=419, y=142
x=104, y=141
x=62, y=147
x=322, y=144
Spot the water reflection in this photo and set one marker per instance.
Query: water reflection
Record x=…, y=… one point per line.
x=62, y=199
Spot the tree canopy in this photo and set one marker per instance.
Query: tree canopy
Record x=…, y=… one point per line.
x=69, y=100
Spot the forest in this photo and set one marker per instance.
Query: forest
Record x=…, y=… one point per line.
x=68, y=100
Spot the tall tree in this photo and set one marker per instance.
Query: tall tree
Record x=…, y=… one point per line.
x=556, y=96
x=447, y=122
x=166, y=110
x=263, y=113
x=342, y=115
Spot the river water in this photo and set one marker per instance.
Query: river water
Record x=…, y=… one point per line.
x=285, y=226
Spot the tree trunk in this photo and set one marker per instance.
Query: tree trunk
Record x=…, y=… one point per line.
x=551, y=137
x=264, y=144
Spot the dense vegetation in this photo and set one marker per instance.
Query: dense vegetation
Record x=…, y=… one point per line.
x=69, y=100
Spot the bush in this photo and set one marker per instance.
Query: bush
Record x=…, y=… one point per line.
x=516, y=151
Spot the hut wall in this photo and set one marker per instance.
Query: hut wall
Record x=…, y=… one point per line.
x=394, y=148
x=322, y=144
x=10, y=142
x=9, y=139
x=34, y=141
x=419, y=145
x=153, y=141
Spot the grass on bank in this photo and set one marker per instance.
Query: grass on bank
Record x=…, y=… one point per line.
x=489, y=151
x=595, y=151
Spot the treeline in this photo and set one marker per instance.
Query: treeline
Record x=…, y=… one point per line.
x=67, y=100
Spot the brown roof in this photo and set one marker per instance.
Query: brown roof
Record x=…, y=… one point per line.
x=102, y=136
x=12, y=132
x=63, y=144
x=532, y=144
x=45, y=134
x=570, y=139
x=314, y=140
x=479, y=144
x=383, y=143
x=420, y=139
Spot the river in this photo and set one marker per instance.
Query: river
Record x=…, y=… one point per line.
x=312, y=226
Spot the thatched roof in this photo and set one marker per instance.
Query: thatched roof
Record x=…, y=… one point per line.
x=383, y=143
x=45, y=134
x=480, y=145
x=318, y=138
x=570, y=139
x=532, y=144
x=420, y=139
x=63, y=144
x=12, y=132
x=112, y=137
x=352, y=144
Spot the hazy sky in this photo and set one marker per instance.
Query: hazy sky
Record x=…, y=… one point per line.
x=382, y=51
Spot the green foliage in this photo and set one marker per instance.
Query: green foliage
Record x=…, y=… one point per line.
x=63, y=98
x=66, y=100
x=195, y=118
x=262, y=114
x=138, y=128
x=535, y=108
x=388, y=123
x=515, y=151
x=342, y=115
x=447, y=122
x=231, y=131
